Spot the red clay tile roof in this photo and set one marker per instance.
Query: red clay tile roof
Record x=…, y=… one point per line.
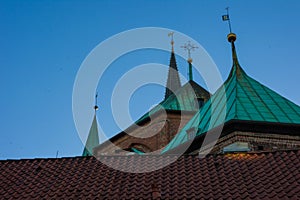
x=233, y=176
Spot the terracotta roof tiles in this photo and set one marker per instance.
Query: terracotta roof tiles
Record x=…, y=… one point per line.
x=273, y=175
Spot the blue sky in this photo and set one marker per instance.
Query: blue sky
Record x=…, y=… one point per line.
x=43, y=44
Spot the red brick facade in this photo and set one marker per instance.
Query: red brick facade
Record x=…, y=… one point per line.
x=149, y=137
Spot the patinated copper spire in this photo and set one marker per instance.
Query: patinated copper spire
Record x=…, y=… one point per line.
x=93, y=137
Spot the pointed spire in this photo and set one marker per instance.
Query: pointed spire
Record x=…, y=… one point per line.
x=236, y=68
x=93, y=138
x=189, y=47
x=173, y=81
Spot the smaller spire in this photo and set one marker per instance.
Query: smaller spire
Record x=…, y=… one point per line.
x=171, y=34
x=93, y=136
x=92, y=140
x=189, y=47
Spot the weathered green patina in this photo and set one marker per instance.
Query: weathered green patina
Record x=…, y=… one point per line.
x=246, y=99
x=92, y=140
x=184, y=99
x=137, y=151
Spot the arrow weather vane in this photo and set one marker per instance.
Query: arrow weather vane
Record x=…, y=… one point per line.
x=226, y=18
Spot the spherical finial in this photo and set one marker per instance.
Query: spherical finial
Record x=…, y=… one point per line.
x=231, y=37
x=96, y=107
x=190, y=60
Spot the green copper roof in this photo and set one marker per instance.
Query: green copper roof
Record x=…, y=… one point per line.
x=184, y=99
x=247, y=99
x=92, y=140
x=137, y=151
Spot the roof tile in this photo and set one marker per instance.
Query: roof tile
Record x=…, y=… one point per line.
x=268, y=176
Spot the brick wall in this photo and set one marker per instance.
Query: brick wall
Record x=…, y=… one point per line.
x=152, y=136
x=257, y=141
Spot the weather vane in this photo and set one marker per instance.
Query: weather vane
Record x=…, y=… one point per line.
x=96, y=102
x=171, y=34
x=189, y=47
x=226, y=18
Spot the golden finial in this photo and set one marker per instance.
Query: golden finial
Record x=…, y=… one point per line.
x=231, y=37
x=189, y=47
x=171, y=34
